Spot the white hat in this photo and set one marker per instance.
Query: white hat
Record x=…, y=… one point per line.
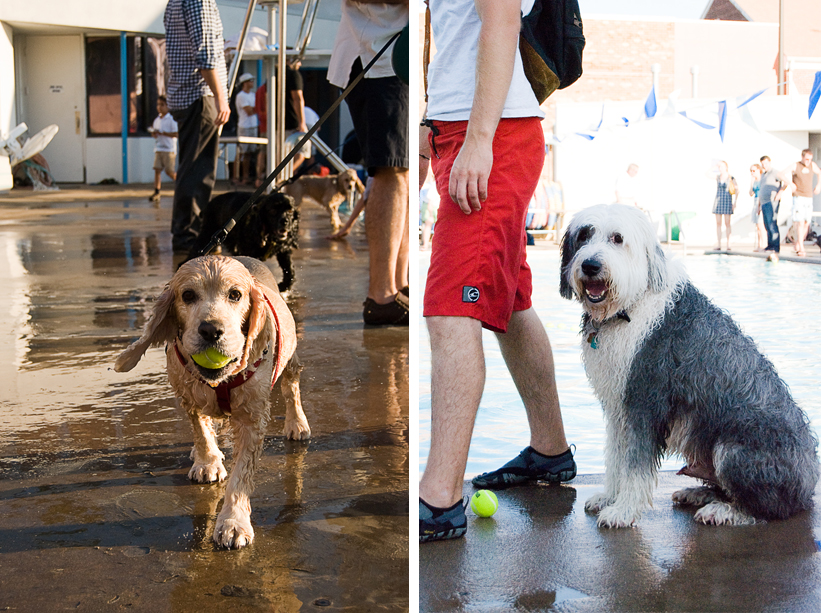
x=246, y=77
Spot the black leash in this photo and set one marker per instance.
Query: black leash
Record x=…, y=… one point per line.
x=220, y=235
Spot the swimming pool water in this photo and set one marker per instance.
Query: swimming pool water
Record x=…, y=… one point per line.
x=775, y=304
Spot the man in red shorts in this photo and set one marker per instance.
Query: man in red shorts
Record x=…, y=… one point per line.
x=486, y=148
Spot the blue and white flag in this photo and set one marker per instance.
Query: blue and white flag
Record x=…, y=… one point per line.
x=815, y=94
x=722, y=118
x=695, y=121
x=749, y=99
x=650, y=106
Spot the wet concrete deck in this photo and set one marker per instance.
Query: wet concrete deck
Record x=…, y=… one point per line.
x=542, y=552
x=96, y=510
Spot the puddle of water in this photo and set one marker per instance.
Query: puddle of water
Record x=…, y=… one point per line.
x=774, y=304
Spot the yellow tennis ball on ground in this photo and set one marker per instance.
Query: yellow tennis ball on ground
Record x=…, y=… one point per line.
x=484, y=503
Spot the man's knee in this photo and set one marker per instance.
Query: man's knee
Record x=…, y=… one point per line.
x=444, y=329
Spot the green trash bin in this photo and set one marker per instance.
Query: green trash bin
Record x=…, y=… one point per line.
x=674, y=231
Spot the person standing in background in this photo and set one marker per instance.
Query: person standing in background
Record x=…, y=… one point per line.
x=379, y=106
x=755, y=216
x=724, y=203
x=295, y=116
x=768, y=198
x=164, y=131
x=198, y=101
x=247, y=125
x=800, y=175
x=627, y=188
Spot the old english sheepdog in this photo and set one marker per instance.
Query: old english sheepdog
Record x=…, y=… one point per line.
x=674, y=373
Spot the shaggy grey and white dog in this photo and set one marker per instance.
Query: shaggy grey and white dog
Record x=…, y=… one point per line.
x=674, y=373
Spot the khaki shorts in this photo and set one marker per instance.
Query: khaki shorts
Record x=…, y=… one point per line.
x=165, y=160
x=801, y=209
x=247, y=147
x=306, y=148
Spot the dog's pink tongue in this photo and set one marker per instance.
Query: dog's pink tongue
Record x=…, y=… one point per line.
x=595, y=288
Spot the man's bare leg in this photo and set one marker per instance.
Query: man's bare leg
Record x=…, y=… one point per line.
x=402, y=259
x=529, y=358
x=457, y=381
x=385, y=223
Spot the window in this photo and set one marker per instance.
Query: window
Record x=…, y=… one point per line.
x=145, y=59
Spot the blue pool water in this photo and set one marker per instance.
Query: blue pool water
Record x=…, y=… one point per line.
x=776, y=304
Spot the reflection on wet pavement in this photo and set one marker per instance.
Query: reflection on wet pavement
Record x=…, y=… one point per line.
x=96, y=509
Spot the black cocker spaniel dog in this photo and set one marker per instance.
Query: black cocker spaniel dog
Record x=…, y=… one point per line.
x=270, y=228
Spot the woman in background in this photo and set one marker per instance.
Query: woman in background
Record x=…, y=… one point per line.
x=725, y=201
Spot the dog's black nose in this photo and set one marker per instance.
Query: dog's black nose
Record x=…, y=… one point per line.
x=209, y=332
x=591, y=267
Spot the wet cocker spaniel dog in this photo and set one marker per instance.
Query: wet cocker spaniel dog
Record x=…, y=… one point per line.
x=328, y=192
x=228, y=336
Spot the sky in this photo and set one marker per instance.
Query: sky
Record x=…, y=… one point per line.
x=684, y=9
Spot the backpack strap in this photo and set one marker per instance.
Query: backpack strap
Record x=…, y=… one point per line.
x=426, y=49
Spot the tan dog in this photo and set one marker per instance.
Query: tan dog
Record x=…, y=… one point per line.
x=328, y=192
x=231, y=307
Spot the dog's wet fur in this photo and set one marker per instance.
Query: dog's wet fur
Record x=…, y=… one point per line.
x=675, y=373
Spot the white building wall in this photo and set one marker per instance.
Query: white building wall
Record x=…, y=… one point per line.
x=104, y=160
x=717, y=47
x=7, y=110
x=122, y=15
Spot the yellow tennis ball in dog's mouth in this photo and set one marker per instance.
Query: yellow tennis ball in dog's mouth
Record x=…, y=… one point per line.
x=484, y=503
x=211, y=359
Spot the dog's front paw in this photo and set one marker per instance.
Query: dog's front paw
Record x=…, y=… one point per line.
x=297, y=429
x=694, y=496
x=719, y=513
x=208, y=472
x=616, y=516
x=233, y=532
x=597, y=502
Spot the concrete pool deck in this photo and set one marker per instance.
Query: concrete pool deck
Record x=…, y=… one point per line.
x=542, y=552
x=96, y=510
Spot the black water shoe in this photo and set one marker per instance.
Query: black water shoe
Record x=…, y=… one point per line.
x=437, y=524
x=529, y=465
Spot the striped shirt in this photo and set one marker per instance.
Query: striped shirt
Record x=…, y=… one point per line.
x=193, y=41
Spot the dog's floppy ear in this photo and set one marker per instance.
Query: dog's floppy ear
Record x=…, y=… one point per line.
x=161, y=328
x=359, y=187
x=260, y=327
x=567, y=250
x=656, y=268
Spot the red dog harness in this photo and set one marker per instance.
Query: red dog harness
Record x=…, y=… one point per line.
x=223, y=390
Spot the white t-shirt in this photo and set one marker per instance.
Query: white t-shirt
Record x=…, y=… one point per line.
x=244, y=120
x=363, y=31
x=311, y=117
x=166, y=124
x=627, y=189
x=452, y=72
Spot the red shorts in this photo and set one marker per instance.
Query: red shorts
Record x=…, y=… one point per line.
x=478, y=265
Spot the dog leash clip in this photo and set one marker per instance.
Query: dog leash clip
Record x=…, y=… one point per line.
x=435, y=131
